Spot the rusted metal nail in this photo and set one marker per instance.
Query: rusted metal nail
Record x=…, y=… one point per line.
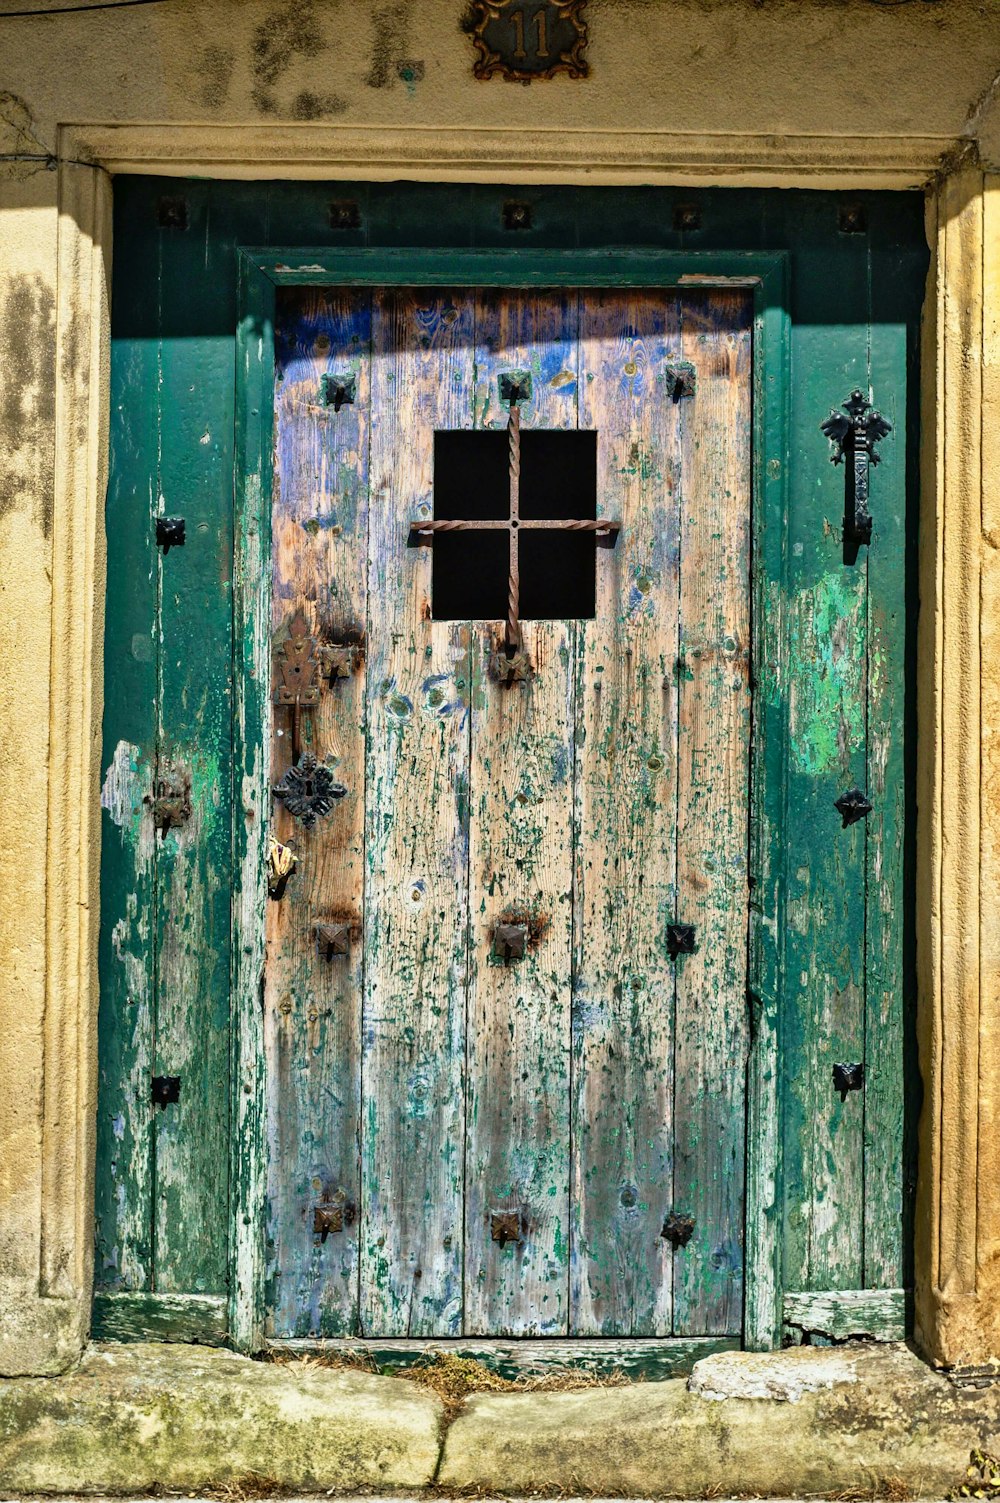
x=345, y=214
x=681, y=379
x=328, y=1217
x=341, y=660
x=512, y=668
x=170, y=533
x=852, y=219
x=515, y=387
x=506, y=1226
x=516, y=216
x=165, y=1090
x=337, y=391
x=681, y=940
x=172, y=213
x=677, y=1230
x=510, y=941
x=333, y=939
x=848, y=1078
x=687, y=217
x=852, y=806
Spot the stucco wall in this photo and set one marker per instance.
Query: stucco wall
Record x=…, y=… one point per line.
x=754, y=91
x=805, y=67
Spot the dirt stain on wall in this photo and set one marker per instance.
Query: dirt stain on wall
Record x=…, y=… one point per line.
x=215, y=69
x=290, y=32
x=390, y=36
x=27, y=397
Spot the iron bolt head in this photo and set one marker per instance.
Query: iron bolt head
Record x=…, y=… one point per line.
x=506, y=1226
x=510, y=941
x=677, y=1230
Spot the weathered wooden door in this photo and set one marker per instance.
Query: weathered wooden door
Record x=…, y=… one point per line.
x=464, y=1138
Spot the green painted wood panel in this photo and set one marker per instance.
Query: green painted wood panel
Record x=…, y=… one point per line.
x=889, y=1143
x=824, y=694
x=123, y=1189
x=194, y=474
x=253, y=436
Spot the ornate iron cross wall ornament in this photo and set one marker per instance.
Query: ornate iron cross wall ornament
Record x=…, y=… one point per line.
x=515, y=388
x=856, y=435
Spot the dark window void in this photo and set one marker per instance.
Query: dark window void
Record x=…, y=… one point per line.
x=472, y=484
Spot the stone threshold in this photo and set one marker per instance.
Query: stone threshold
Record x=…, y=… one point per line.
x=144, y=1420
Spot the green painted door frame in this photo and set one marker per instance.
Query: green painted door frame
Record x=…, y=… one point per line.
x=828, y=1182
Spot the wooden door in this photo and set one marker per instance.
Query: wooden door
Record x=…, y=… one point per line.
x=466, y=1139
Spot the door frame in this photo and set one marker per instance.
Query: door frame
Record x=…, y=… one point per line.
x=261, y=273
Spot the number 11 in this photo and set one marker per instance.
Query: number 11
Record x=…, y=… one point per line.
x=517, y=21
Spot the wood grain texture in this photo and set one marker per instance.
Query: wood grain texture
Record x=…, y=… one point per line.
x=848, y=1314
x=842, y=300
x=313, y=1004
x=415, y=922
x=193, y=909
x=160, y=1317
x=713, y=765
x=889, y=1149
x=625, y=796
x=248, y=1148
x=650, y=1361
x=521, y=869
x=763, y=1230
x=825, y=694
x=123, y=1189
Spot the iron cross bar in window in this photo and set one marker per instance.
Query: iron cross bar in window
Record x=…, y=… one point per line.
x=606, y=531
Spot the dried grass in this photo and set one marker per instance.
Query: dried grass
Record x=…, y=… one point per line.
x=892, y=1489
x=454, y=1379
x=359, y=1361
x=242, y=1489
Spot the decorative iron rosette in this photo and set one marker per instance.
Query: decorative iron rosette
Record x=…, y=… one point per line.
x=309, y=790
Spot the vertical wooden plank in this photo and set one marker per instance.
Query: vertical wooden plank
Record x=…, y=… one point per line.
x=764, y=1229
x=826, y=688
x=253, y=446
x=520, y=865
x=193, y=907
x=312, y=1003
x=894, y=382
x=123, y=1189
x=711, y=1034
x=625, y=779
x=417, y=706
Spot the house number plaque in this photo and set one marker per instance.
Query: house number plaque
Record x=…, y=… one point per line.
x=523, y=40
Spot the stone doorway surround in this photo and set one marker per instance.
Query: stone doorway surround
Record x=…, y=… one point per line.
x=56, y=252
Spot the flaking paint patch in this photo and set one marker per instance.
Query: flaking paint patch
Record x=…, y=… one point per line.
x=126, y=784
x=826, y=707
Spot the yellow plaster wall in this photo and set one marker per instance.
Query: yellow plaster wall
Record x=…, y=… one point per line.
x=813, y=67
x=759, y=91
x=27, y=436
